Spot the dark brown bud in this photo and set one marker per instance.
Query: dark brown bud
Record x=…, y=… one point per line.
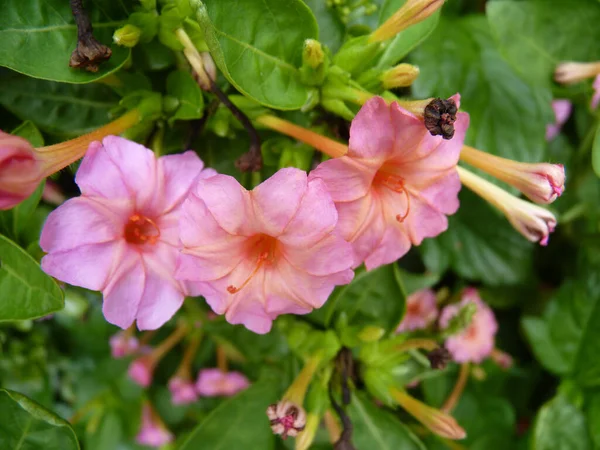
x=439, y=358
x=440, y=116
x=89, y=53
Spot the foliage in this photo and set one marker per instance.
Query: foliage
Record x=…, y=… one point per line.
x=60, y=387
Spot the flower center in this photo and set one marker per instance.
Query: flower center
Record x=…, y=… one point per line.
x=262, y=248
x=141, y=230
x=395, y=183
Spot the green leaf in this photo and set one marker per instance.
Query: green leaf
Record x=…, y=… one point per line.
x=26, y=291
x=38, y=37
x=508, y=116
x=596, y=152
x=373, y=298
x=375, y=427
x=238, y=422
x=566, y=339
x=57, y=107
x=182, y=86
x=405, y=41
x=25, y=425
x=536, y=35
x=560, y=426
x=258, y=46
x=30, y=132
x=479, y=245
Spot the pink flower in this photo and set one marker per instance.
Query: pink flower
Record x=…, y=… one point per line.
x=141, y=371
x=121, y=236
x=396, y=184
x=123, y=344
x=596, y=97
x=562, y=111
x=266, y=252
x=421, y=310
x=152, y=430
x=182, y=391
x=214, y=383
x=20, y=170
x=476, y=342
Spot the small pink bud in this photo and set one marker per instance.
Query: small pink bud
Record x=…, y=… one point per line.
x=141, y=371
x=532, y=221
x=153, y=432
x=52, y=193
x=20, y=170
x=122, y=344
x=182, y=391
x=541, y=182
x=287, y=418
x=214, y=383
x=562, y=110
x=596, y=97
x=573, y=72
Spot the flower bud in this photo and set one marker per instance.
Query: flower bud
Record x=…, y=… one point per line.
x=411, y=13
x=182, y=391
x=540, y=182
x=562, y=110
x=573, y=72
x=312, y=54
x=287, y=418
x=400, y=76
x=438, y=422
x=123, y=344
x=214, y=383
x=532, y=221
x=141, y=371
x=52, y=193
x=20, y=170
x=596, y=97
x=127, y=36
x=153, y=432
x=209, y=65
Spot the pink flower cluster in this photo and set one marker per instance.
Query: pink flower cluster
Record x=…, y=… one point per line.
x=149, y=231
x=473, y=344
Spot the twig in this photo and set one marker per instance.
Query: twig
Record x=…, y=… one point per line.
x=252, y=160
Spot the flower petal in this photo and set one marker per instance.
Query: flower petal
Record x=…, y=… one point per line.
x=277, y=199
x=393, y=246
x=315, y=218
x=371, y=132
x=209, y=251
x=330, y=255
x=124, y=293
x=119, y=168
x=161, y=300
x=87, y=266
x=178, y=174
x=346, y=178
x=228, y=202
x=82, y=221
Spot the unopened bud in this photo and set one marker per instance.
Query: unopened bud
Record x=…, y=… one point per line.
x=532, y=221
x=209, y=65
x=438, y=422
x=287, y=418
x=312, y=54
x=411, y=13
x=542, y=182
x=127, y=36
x=400, y=76
x=439, y=117
x=573, y=72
